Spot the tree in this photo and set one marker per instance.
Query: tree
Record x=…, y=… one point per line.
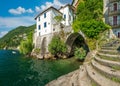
x=26, y=46
x=57, y=46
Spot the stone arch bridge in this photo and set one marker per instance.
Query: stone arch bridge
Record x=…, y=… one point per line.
x=69, y=36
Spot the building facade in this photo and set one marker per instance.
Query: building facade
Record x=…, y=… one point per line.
x=75, y=3
x=112, y=16
x=47, y=26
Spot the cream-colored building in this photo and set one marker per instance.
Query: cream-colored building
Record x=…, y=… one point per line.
x=112, y=16
x=75, y=3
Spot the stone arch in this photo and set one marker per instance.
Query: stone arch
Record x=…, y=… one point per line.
x=72, y=38
x=43, y=46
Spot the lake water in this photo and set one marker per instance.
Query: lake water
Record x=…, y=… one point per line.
x=18, y=70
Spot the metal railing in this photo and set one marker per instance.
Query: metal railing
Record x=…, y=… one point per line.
x=116, y=12
x=115, y=26
x=113, y=1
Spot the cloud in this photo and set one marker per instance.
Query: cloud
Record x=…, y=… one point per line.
x=3, y=33
x=12, y=22
x=55, y=3
x=29, y=11
x=20, y=10
x=37, y=9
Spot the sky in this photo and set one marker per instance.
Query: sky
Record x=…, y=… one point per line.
x=14, y=13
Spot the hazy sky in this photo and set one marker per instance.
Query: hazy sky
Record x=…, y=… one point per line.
x=14, y=13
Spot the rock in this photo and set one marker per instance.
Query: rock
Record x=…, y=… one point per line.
x=48, y=56
x=64, y=57
x=40, y=57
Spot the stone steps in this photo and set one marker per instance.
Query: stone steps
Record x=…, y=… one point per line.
x=108, y=55
x=107, y=62
x=84, y=80
x=113, y=52
x=109, y=48
x=106, y=71
x=117, y=59
x=98, y=78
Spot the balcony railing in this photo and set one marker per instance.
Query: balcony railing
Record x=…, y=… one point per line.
x=115, y=26
x=117, y=12
x=113, y=1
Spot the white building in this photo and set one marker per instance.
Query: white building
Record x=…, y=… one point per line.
x=46, y=24
x=68, y=15
x=45, y=21
x=112, y=16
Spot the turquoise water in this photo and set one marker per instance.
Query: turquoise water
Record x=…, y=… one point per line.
x=17, y=70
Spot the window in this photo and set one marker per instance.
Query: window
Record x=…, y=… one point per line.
x=115, y=6
x=44, y=15
x=39, y=33
x=39, y=19
x=39, y=27
x=64, y=16
x=118, y=34
x=114, y=20
x=45, y=25
x=53, y=29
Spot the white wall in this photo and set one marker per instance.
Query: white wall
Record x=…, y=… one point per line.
x=54, y=22
x=50, y=14
x=43, y=30
x=105, y=10
x=69, y=13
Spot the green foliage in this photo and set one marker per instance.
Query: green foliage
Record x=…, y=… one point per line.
x=26, y=46
x=37, y=50
x=15, y=36
x=80, y=53
x=91, y=28
x=89, y=18
x=58, y=18
x=91, y=43
x=57, y=46
x=115, y=79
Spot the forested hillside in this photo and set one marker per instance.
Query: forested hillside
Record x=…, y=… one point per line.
x=13, y=38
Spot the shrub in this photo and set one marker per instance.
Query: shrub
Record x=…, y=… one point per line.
x=26, y=47
x=80, y=53
x=57, y=46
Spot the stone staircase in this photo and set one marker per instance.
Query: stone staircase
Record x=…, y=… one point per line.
x=102, y=69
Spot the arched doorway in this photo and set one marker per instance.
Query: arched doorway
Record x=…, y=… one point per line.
x=76, y=40
x=43, y=46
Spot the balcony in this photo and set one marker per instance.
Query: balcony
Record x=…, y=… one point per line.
x=115, y=26
x=111, y=1
x=117, y=12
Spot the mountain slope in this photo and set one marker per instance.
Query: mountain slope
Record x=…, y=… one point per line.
x=13, y=38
